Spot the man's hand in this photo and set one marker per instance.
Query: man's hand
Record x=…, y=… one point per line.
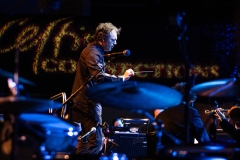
x=220, y=115
x=128, y=73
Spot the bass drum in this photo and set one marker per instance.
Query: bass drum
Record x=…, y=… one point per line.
x=39, y=136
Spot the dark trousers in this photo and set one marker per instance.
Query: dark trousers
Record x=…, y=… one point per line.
x=94, y=141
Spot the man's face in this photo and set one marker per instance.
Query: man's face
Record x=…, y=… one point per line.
x=110, y=41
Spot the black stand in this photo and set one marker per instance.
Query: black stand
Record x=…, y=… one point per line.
x=189, y=80
x=109, y=152
x=86, y=145
x=213, y=128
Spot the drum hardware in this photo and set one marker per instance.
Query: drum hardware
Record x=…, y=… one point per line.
x=64, y=107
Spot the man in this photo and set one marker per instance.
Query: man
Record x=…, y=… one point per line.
x=91, y=63
x=232, y=130
x=174, y=120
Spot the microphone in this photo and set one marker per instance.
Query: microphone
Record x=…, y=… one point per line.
x=115, y=54
x=93, y=129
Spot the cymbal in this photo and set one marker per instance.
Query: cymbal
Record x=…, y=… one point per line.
x=20, y=79
x=135, y=95
x=14, y=104
x=218, y=88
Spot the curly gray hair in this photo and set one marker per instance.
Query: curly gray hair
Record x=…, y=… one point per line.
x=103, y=30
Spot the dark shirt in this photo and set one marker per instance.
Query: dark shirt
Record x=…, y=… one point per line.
x=90, y=62
x=174, y=123
x=230, y=130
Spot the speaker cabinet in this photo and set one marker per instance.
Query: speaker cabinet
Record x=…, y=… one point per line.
x=133, y=145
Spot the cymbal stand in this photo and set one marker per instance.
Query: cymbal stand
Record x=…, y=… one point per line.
x=182, y=38
x=14, y=118
x=86, y=143
x=16, y=70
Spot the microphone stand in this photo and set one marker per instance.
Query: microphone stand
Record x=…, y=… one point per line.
x=86, y=144
x=70, y=98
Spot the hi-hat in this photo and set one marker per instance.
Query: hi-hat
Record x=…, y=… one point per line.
x=135, y=95
x=14, y=104
x=218, y=88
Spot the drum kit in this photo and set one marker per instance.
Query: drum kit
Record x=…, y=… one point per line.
x=59, y=135
x=29, y=131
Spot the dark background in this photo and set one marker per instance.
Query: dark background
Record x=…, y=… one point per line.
x=149, y=31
